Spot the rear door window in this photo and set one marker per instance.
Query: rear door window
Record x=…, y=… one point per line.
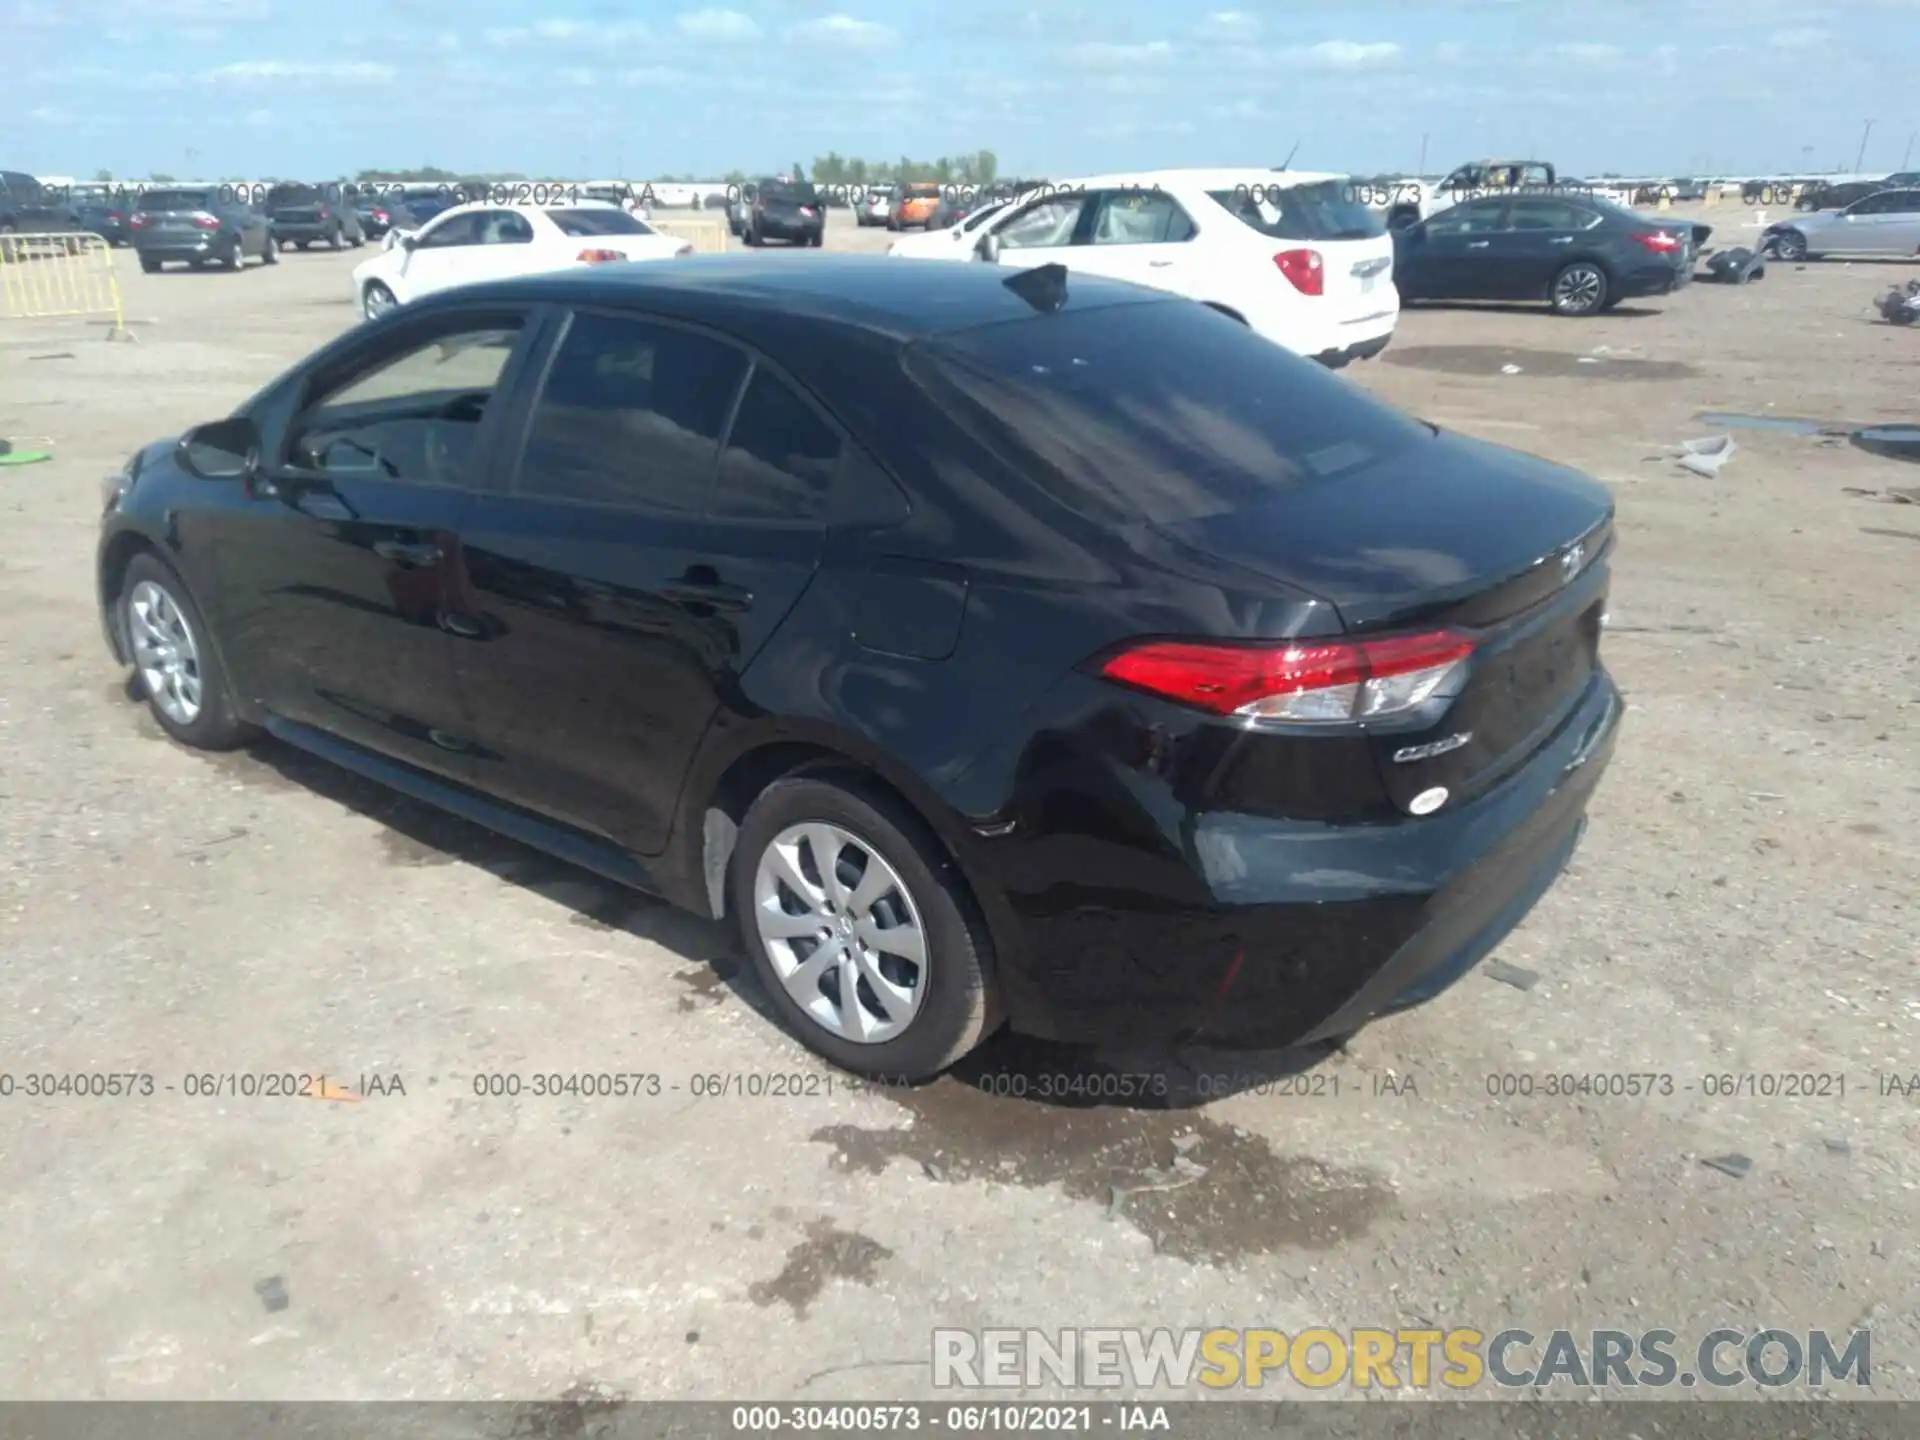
x=454, y=230
x=1161, y=411
x=780, y=456
x=1476, y=217
x=1539, y=213
x=630, y=415
x=1138, y=217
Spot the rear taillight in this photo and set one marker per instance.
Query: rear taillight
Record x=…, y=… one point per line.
x=138, y=221
x=1660, y=242
x=379, y=217
x=1305, y=269
x=1311, y=682
x=207, y=222
x=115, y=215
x=325, y=213
x=598, y=257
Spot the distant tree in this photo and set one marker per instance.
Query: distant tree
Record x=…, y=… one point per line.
x=160, y=177
x=102, y=177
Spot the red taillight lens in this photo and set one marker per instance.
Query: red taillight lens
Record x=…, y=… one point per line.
x=1660, y=242
x=379, y=217
x=1305, y=269
x=598, y=257
x=115, y=215
x=325, y=213
x=1311, y=682
x=207, y=222
x=138, y=221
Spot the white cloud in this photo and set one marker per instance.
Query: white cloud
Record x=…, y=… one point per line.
x=1109, y=55
x=718, y=25
x=584, y=33
x=260, y=119
x=846, y=33
x=1347, y=54
x=578, y=76
x=1128, y=129
x=1230, y=25
x=47, y=115
x=1799, y=39
x=351, y=72
x=1595, y=54
x=653, y=77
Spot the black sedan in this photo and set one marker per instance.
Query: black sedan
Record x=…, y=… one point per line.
x=1578, y=253
x=1029, y=649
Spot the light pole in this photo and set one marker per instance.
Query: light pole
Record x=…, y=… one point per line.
x=1861, y=158
x=1909, y=153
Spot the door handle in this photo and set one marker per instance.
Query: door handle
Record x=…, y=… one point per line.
x=1478, y=244
x=408, y=554
x=1561, y=240
x=1159, y=264
x=714, y=594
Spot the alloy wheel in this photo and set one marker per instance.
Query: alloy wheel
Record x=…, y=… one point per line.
x=1578, y=289
x=842, y=932
x=379, y=301
x=165, y=651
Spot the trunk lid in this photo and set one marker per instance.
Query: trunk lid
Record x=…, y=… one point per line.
x=1508, y=549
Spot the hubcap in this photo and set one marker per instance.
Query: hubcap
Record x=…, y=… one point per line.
x=165, y=652
x=379, y=301
x=1579, y=289
x=842, y=932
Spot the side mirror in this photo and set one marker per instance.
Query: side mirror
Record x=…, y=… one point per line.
x=221, y=449
x=989, y=249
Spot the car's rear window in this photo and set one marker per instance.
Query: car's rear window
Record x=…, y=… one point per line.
x=790, y=194
x=1321, y=210
x=596, y=221
x=1161, y=411
x=175, y=200
x=291, y=194
x=922, y=192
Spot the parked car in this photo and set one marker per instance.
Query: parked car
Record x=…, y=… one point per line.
x=1407, y=202
x=102, y=210
x=29, y=208
x=304, y=215
x=786, y=210
x=374, y=214
x=1821, y=195
x=739, y=208
x=1286, y=253
x=1581, y=255
x=197, y=226
x=470, y=243
x=915, y=206
x=953, y=242
x=1886, y=222
x=1213, y=697
x=411, y=210
x=874, y=205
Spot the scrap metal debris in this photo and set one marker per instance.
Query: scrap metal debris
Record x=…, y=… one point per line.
x=1706, y=457
x=1512, y=975
x=272, y=1292
x=1735, y=1165
x=1900, y=307
x=28, y=451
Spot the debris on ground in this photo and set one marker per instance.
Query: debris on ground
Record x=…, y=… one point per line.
x=1706, y=457
x=1736, y=266
x=1900, y=306
x=28, y=451
x=1891, y=442
x=1838, y=1145
x=272, y=1292
x=1735, y=1165
x=1509, y=369
x=1512, y=975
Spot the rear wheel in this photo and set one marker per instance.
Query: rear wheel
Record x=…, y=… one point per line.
x=819, y=239
x=269, y=251
x=860, y=929
x=237, y=258
x=300, y=244
x=178, y=671
x=333, y=240
x=150, y=265
x=1579, y=289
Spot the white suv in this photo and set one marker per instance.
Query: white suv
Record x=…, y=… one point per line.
x=1291, y=254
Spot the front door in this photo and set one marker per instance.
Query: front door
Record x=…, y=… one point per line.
x=1143, y=236
x=340, y=571
x=631, y=569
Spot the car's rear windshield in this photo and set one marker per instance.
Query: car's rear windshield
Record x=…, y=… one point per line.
x=922, y=192
x=291, y=194
x=1160, y=411
x=790, y=194
x=175, y=200
x=596, y=221
x=1321, y=210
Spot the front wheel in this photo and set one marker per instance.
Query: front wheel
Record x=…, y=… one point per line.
x=237, y=261
x=178, y=671
x=269, y=251
x=860, y=929
x=150, y=265
x=377, y=301
x=1580, y=289
x=1790, y=245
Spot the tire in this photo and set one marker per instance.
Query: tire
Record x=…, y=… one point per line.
x=948, y=996
x=301, y=244
x=237, y=261
x=372, y=307
x=212, y=724
x=819, y=239
x=150, y=265
x=333, y=240
x=1790, y=245
x=1579, y=289
x=753, y=238
x=269, y=251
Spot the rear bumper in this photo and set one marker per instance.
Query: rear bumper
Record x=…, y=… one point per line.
x=183, y=249
x=291, y=232
x=788, y=229
x=1660, y=278
x=1302, y=931
x=1363, y=350
x=1332, y=332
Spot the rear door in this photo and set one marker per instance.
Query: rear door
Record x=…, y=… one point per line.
x=1537, y=237
x=340, y=573
x=627, y=572
x=505, y=247
x=1887, y=223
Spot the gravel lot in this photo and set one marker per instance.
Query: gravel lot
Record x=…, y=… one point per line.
x=1744, y=902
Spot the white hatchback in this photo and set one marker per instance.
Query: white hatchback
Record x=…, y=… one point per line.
x=472, y=243
x=1292, y=254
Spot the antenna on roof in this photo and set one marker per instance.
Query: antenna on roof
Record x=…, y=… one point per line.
x=1287, y=164
x=1044, y=287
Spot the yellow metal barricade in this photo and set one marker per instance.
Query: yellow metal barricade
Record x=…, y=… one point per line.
x=44, y=277
x=708, y=237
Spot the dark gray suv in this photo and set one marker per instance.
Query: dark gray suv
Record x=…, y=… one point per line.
x=196, y=225
x=303, y=215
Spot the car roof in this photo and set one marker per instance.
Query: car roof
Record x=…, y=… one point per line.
x=1201, y=178
x=892, y=296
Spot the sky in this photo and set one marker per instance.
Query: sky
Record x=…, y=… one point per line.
x=587, y=88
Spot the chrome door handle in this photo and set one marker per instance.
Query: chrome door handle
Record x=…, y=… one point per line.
x=1478, y=244
x=408, y=554
x=1561, y=240
x=1159, y=264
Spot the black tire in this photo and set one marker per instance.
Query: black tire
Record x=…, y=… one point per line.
x=150, y=265
x=269, y=251
x=957, y=1009
x=300, y=244
x=819, y=239
x=237, y=261
x=333, y=240
x=1790, y=245
x=753, y=237
x=1579, y=289
x=216, y=727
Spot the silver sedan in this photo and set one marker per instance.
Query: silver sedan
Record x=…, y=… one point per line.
x=1884, y=223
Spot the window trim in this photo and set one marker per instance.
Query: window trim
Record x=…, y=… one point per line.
x=1593, y=218
x=360, y=361
x=1499, y=205
x=1051, y=196
x=1098, y=199
x=441, y=222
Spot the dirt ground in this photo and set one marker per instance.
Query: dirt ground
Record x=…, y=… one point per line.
x=1744, y=902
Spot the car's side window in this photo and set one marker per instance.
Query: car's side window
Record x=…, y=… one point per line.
x=459, y=230
x=1139, y=217
x=411, y=417
x=1044, y=225
x=1543, y=214
x=780, y=456
x=631, y=414
x=1902, y=202
x=504, y=227
x=1476, y=217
